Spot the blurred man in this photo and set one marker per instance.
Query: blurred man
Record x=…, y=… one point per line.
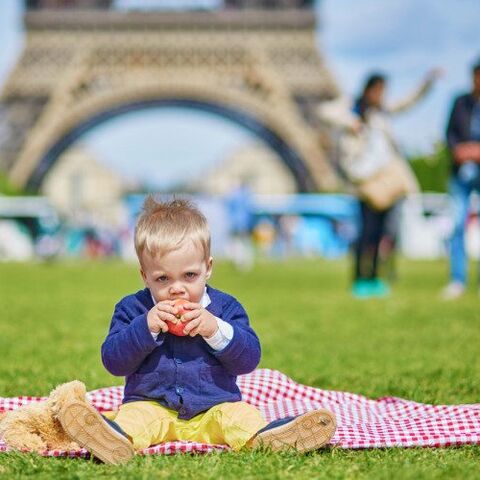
x=463, y=140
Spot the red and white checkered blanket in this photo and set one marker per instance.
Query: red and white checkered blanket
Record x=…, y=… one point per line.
x=362, y=423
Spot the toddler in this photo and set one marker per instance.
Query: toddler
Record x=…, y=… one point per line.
x=182, y=387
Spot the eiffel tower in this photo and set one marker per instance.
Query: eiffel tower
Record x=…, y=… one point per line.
x=253, y=62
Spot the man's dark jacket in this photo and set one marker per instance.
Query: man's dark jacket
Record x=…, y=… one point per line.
x=458, y=129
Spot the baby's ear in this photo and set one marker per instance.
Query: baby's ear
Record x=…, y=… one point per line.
x=209, y=268
x=144, y=277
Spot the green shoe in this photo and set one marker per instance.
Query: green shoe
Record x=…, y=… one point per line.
x=370, y=288
x=380, y=288
x=362, y=288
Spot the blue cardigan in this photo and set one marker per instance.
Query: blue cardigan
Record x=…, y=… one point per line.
x=181, y=373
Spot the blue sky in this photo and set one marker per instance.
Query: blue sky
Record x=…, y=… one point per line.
x=403, y=38
x=190, y=142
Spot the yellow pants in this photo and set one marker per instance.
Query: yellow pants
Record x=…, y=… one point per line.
x=148, y=423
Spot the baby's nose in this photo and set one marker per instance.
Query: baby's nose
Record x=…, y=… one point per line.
x=177, y=289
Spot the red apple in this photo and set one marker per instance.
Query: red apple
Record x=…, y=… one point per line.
x=177, y=328
x=179, y=304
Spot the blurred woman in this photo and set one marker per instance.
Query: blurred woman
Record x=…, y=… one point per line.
x=370, y=158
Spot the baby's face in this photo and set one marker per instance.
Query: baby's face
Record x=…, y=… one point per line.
x=181, y=273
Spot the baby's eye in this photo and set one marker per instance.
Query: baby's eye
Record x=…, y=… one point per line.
x=162, y=278
x=190, y=274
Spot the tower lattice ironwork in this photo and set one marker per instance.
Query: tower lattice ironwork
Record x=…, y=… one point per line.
x=260, y=68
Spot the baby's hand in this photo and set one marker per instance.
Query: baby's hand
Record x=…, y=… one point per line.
x=159, y=314
x=199, y=321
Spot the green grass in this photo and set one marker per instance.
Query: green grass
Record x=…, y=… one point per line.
x=54, y=318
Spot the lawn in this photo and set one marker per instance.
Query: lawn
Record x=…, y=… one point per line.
x=54, y=318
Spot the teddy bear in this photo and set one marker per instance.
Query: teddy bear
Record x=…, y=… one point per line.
x=36, y=426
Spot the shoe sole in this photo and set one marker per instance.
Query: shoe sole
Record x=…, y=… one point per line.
x=305, y=433
x=87, y=427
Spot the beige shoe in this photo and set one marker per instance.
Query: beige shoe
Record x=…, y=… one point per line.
x=304, y=433
x=88, y=428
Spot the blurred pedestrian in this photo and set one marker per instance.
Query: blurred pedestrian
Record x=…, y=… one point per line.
x=48, y=246
x=265, y=236
x=240, y=213
x=463, y=141
x=371, y=159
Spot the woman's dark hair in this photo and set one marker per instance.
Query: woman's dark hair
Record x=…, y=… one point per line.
x=476, y=67
x=361, y=104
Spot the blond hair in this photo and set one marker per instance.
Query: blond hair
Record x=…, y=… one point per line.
x=163, y=226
